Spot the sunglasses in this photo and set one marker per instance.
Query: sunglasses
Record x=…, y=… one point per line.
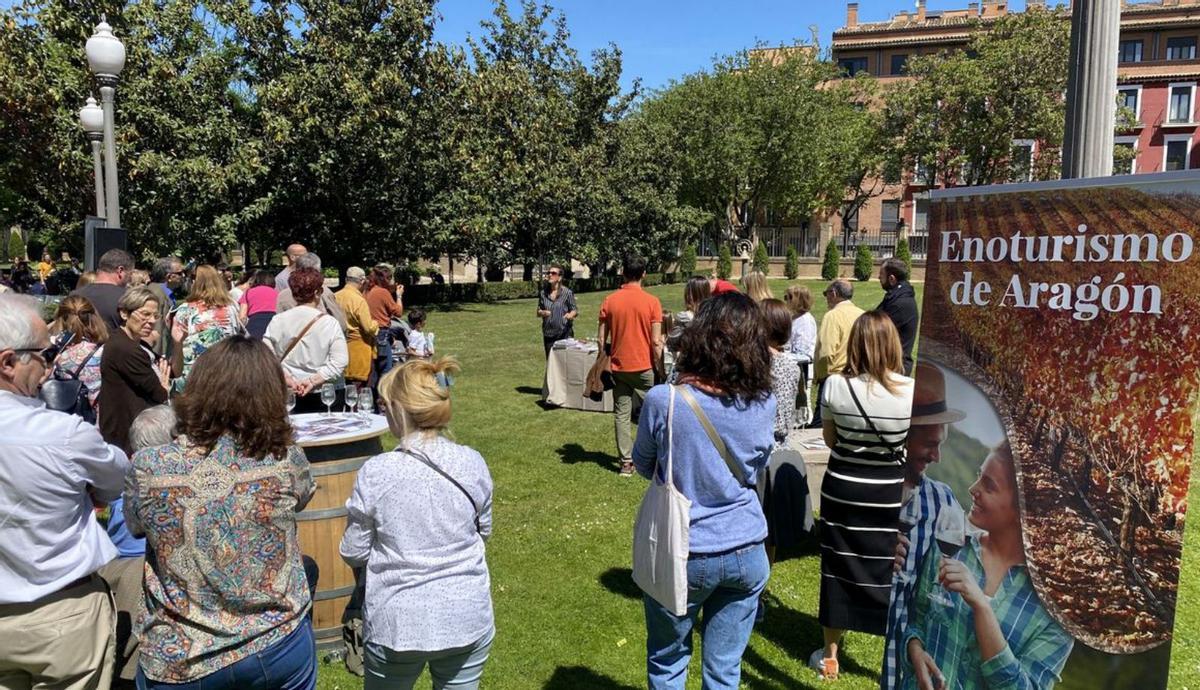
x=50, y=353
x=555, y=273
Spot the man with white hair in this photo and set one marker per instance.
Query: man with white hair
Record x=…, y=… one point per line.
x=56, y=614
x=329, y=303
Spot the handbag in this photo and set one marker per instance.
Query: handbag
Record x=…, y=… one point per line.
x=660, y=534
x=70, y=395
x=895, y=454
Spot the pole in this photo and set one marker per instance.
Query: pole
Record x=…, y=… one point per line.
x=108, y=87
x=1091, y=88
x=98, y=172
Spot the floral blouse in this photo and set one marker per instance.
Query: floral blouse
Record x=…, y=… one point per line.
x=69, y=361
x=203, y=328
x=224, y=579
x=785, y=385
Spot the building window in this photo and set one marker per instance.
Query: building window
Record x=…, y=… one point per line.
x=890, y=218
x=1181, y=48
x=1131, y=51
x=921, y=175
x=852, y=66
x=1020, y=161
x=1180, y=103
x=898, y=62
x=1128, y=97
x=1124, y=162
x=921, y=215
x=1175, y=153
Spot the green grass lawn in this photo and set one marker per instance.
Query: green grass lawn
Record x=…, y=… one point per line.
x=567, y=613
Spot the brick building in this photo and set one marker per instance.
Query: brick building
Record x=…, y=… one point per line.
x=1158, y=71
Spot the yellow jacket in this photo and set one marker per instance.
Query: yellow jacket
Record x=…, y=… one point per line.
x=360, y=332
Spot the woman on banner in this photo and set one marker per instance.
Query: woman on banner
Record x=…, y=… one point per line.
x=989, y=630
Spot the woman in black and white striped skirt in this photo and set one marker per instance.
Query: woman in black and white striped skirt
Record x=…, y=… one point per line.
x=866, y=411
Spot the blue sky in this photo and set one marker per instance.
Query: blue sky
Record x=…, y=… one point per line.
x=666, y=39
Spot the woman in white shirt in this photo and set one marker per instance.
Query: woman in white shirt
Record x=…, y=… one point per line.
x=804, y=326
x=308, y=342
x=418, y=520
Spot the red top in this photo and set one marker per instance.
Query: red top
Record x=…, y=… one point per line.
x=723, y=286
x=383, y=306
x=630, y=313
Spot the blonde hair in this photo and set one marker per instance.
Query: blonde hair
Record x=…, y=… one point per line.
x=414, y=388
x=874, y=349
x=138, y=278
x=799, y=299
x=754, y=284
x=209, y=288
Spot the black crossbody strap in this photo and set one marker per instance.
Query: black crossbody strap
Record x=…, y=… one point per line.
x=713, y=436
x=79, y=369
x=865, y=416
x=424, y=459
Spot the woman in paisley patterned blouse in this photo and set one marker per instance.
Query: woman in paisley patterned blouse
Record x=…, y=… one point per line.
x=226, y=596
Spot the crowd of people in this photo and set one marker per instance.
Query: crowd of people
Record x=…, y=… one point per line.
x=153, y=480
x=158, y=487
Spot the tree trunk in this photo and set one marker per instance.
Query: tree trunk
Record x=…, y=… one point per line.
x=1128, y=528
x=527, y=273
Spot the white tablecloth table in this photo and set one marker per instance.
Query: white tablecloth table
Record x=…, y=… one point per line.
x=566, y=380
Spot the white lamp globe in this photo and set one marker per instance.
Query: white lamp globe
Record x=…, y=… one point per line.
x=91, y=117
x=105, y=53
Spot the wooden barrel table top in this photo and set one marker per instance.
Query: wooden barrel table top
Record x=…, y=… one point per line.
x=336, y=447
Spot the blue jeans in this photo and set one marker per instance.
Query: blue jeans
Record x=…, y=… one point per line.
x=726, y=588
x=289, y=664
x=460, y=668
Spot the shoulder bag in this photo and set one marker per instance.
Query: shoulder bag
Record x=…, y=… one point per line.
x=296, y=341
x=660, y=534
x=70, y=395
x=896, y=455
x=738, y=473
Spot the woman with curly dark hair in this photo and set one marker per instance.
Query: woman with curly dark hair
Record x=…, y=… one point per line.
x=724, y=385
x=226, y=596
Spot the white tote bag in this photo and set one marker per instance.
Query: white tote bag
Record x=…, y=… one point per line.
x=660, y=535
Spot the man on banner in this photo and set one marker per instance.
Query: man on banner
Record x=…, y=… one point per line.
x=927, y=432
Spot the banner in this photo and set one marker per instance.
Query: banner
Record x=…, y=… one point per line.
x=1052, y=437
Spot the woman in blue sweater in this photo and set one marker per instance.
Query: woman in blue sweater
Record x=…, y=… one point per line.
x=724, y=366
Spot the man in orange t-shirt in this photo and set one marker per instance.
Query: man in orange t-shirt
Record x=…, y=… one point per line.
x=631, y=319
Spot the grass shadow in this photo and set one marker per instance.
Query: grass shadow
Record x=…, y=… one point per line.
x=467, y=307
x=620, y=581
x=573, y=454
x=528, y=390
x=579, y=677
x=800, y=633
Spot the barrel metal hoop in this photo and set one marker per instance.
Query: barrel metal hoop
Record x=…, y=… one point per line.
x=333, y=593
x=324, y=469
x=311, y=515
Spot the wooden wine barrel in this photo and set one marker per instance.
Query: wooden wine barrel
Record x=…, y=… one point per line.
x=335, y=462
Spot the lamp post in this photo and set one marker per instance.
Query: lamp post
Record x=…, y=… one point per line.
x=1091, y=108
x=106, y=59
x=91, y=118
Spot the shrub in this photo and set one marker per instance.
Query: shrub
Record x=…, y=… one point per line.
x=724, y=263
x=16, y=246
x=762, y=260
x=687, y=261
x=864, y=263
x=791, y=266
x=829, y=270
x=903, y=253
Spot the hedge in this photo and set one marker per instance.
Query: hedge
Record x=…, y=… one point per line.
x=515, y=289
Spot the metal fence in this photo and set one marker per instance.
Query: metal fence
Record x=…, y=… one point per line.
x=807, y=242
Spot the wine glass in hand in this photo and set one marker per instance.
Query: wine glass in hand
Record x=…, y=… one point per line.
x=950, y=533
x=909, y=516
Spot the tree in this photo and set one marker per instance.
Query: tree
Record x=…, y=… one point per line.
x=903, y=253
x=761, y=130
x=16, y=246
x=687, y=262
x=831, y=268
x=864, y=262
x=957, y=120
x=724, y=263
x=762, y=261
x=791, y=265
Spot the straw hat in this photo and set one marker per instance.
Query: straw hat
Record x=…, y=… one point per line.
x=929, y=398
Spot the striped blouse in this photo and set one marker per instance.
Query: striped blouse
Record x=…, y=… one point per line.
x=889, y=412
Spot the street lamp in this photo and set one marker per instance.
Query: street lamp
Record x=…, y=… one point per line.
x=91, y=118
x=106, y=59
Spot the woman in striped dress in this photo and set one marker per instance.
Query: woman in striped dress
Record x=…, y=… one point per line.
x=866, y=412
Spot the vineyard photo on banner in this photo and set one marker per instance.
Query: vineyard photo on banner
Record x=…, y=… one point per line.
x=1061, y=320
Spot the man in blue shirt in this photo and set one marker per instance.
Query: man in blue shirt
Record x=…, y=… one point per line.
x=930, y=417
